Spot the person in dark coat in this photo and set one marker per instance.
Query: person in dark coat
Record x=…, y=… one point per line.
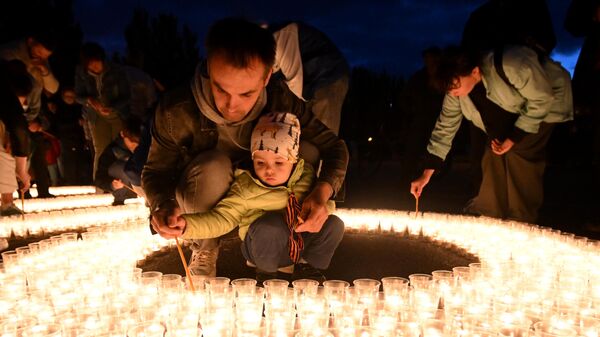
x=583, y=20
x=110, y=175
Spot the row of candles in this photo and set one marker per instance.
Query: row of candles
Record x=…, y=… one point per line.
x=36, y=224
x=531, y=281
x=69, y=202
x=61, y=190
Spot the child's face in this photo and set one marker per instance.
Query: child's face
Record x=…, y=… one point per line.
x=130, y=144
x=271, y=168
x=69, y=97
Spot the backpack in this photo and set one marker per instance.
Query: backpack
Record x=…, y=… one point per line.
x=561, y=109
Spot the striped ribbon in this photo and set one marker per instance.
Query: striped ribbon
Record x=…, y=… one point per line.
x=295, y=242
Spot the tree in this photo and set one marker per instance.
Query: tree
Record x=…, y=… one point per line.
x=19, y=19
x=157, y=46
x=372, y=102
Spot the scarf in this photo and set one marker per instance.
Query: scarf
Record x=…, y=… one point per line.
x=292, y=218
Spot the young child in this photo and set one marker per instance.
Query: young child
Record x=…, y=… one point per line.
x=265, y=202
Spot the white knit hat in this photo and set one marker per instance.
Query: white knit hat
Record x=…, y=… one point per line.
x=278, y=132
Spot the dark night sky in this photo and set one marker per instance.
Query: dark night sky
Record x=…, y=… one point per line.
x=379, y=34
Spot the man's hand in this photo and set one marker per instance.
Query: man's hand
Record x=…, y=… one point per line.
x=22, y=174
x=95, y=104
x=166, y=220
x=24, y=182
x=117, y=184
x=417, y=185
x=501, y=148
x=105, y=111
x=314, y=209
x=41, y=65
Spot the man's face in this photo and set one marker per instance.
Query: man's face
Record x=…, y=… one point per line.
x=271, y=168
x=38, y=51
x=236, y=90
x=95, y=66
x=463, y=85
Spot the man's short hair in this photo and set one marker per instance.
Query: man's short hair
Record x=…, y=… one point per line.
x=91, y=51
x=16, y=77
x=132, y=129
x=240, y=42
x=455, y=62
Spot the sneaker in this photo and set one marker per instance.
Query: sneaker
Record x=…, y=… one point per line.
x=204, y=262
x=470, y=208
x=11, y=210
x=306, y=271
x=46, y=196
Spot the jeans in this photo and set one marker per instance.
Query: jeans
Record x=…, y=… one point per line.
x=266, y=243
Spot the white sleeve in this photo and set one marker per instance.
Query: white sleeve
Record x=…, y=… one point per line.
x=288, y=59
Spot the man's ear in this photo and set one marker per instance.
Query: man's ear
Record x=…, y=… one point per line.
x=268, y=77
x=475, y=71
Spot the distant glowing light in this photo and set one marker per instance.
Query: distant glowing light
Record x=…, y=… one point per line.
x=568, y=60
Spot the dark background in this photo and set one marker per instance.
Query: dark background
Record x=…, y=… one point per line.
x=380, y=34
x=382, y=41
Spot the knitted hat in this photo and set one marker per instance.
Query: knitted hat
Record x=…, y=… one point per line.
x=278, y=132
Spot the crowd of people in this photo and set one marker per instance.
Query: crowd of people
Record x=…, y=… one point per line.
x=250, y=145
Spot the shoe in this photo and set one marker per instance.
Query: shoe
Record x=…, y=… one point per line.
x=306, y=271
x=11, y=210
x=204, y=262
x=262, y=276
x=592, y=227
x=118, y=202
x=46, y=195
x=470, y=208
x=283, y=270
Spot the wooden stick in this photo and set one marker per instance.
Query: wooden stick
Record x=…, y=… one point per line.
x=181, y=255
x=185, y=265
x=22, y=198
x=131, y=189
x=23, y=205
x=416, y=207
